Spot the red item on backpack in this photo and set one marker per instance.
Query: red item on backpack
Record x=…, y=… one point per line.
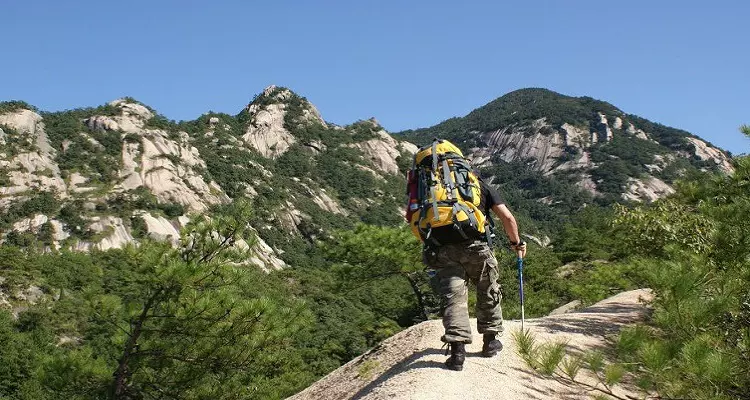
x=412, y=204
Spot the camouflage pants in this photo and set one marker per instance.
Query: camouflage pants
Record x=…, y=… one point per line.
x=455, y=263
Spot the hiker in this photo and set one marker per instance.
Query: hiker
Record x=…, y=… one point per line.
x=458, y=243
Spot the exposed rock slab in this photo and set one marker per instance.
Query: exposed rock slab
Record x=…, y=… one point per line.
x=650, y=189
x=169, y=168
x=118, y=236
x=383, y=152
x=30, y=169
x=160, y=228
x=605, y=132
x=409, y=365
x=264, y=256
x=708, y=153
x=531, y=145
x=266, y=132
x=566, y=308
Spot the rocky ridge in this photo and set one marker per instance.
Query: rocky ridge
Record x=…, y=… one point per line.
x=130, y=172
x=162, y=172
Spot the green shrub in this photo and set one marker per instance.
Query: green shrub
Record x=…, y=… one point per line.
x=37, y=203
x=15, y=105
x=138, y=227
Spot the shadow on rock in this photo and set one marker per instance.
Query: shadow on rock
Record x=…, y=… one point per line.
x=602, y=321
x=410, y=363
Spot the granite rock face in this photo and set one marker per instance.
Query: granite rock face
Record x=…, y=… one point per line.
x=567, y=148
x=383, y=151
x=266, y=131
x=157, y=168
x=30, y=162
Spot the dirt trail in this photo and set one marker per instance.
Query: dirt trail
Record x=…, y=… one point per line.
x=409, y=365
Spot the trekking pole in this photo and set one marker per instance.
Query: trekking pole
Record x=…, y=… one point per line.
x=520, y=288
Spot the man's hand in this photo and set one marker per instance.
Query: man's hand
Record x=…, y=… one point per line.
x=511, y=228
x=519, y=248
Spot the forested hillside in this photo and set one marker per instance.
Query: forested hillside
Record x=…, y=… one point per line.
x=247, y=255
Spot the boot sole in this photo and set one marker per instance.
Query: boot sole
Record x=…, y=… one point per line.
x=455, y=367
x=492, y=352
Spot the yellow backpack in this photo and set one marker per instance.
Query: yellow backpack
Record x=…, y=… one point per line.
x=444, y=196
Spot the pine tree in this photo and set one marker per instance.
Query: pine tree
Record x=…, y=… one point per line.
x=191, y=326
x=369, y=253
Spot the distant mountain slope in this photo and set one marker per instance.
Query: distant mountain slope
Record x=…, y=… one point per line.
x=106, y=176
x=590, y=142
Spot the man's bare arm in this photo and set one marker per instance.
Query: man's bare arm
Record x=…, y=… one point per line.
x=509, y=222
x=510, y=226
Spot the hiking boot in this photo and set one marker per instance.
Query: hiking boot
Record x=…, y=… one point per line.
x=458, y=355
x=491, y=345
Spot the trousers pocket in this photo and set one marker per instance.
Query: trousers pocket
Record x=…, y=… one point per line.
x=496, y=293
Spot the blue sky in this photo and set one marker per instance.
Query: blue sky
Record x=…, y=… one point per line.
x=409, y=64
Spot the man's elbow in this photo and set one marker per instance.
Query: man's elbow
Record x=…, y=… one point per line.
x=503, y=213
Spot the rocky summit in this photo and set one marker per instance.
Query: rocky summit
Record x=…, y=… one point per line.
x=588, y=142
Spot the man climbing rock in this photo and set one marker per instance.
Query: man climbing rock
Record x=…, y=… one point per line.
x=451, y=217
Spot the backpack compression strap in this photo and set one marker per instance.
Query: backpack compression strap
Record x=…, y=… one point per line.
x=450, y=185
x=433, y=188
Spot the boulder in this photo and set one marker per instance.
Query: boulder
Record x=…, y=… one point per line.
x=566, y=308
x=160, y=228
x=116, y=234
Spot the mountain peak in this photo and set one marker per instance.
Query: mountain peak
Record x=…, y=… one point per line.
x=276, y=99
x=132, y=107
x=273, y=95
x=278, y=93
x=605, y=151
x=530, y=104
